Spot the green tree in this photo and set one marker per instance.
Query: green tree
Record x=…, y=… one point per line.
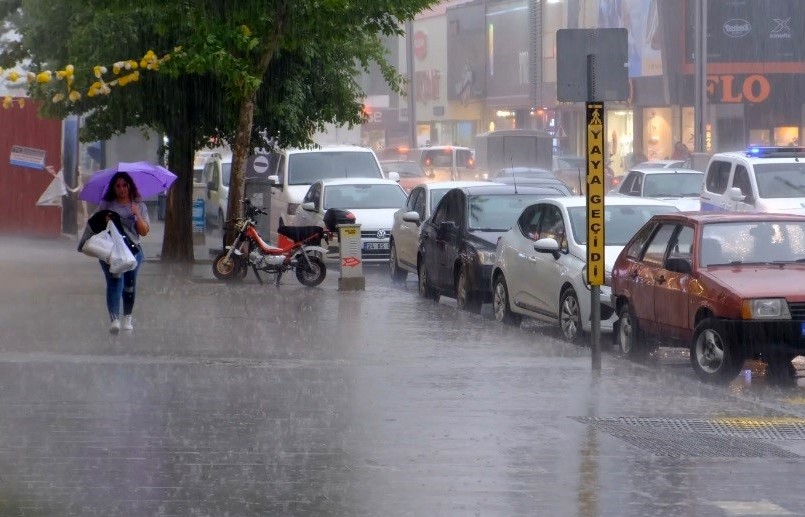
x=251, y=72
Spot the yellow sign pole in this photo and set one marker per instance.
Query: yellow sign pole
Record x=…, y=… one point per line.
x=595, y=220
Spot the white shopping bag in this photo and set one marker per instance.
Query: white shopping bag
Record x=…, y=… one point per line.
x=99, y=246
x=121, y=259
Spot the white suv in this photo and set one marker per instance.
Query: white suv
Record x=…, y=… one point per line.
x=297, y=169
x=762, y=179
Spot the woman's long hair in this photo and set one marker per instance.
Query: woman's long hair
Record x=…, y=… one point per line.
x=110, y=194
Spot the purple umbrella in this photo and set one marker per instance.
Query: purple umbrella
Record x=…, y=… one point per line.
x=151, y=179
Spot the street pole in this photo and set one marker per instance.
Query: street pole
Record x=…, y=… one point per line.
x=700, y=76
x=410, y=92
x=595, y=208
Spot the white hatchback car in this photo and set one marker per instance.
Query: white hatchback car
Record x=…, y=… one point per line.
x=681, y=187
x=408, y=221
x=373, y=201
x=540, y=264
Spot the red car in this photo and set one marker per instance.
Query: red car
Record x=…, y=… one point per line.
x=726, y=285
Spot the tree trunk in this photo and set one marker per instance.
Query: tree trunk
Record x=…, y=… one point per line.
x=177, y=241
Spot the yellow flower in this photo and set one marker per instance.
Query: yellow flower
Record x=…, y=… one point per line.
x=57, y=98
x=30, y=77
x=7, y=102
x=245, y=30
x=75, y=95
x=69, y=69
x=21, y=102
x=99, y=70
x=12, y=77
x=44, y=77
x=116, y=67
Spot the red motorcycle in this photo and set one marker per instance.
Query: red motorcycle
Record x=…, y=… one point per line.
x=299, y=250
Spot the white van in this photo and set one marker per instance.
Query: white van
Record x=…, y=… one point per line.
x=297, y=169
x=761, y=179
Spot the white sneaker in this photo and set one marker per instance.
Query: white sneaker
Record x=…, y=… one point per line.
x=126, y=325
x=114, y=327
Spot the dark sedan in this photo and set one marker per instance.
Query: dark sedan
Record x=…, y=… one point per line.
x=457, y=243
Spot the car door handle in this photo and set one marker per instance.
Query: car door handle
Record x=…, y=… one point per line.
x=660, y=279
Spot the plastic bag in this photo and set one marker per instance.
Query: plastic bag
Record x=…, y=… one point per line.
x=99, y=246
x=121, y=259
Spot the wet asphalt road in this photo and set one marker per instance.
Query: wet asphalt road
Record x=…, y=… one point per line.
x=251, y=400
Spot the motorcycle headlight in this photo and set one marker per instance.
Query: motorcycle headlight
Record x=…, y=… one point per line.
x=487, y=258
x=765, y=309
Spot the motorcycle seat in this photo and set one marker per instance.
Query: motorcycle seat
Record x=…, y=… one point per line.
x=301, y=233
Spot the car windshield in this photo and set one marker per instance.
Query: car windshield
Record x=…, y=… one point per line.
x=752, y=242
x=226, y=173
x=306, y=168
x=498, y=212
x=404, y=169
x=567, y=162
x=673, y=185
x=363, y=196
x=436, y=195
x=780, y=180
x=621, y=221
x=438, y=158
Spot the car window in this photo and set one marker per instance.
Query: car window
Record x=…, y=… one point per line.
x=209, y=175
x=365, y=196
x=636, y=248
x=419, y=205
x=622, y=221
x=742, y=181
x=626, y=185
x=780, y=180
x=673, y=184
x=316, y=197
x=309, y=195
x=552, y=226
x=498, y=212
x=455, y=209
x=436, y=195
x=718, y=175
x=464, y=158
x=440, y=214
x=637, y=185
x=306, y=167
x=752, y=242
x=529, y=221
x=657, y=246
x=226, y=173
x=281, y=170
x=682, y=244
x=412, y=197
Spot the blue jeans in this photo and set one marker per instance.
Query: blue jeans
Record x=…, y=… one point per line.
x=121, y=287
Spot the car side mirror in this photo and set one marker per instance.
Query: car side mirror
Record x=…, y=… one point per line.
x=446, y=228
x=393, y=176
x=310, y=206
x=679, y=265
x=735, y=194
x=411, y=217
x=547, y=245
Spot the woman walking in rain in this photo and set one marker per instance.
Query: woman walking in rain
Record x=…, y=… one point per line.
x=123, y=198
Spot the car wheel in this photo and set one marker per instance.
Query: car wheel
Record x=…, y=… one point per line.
x=425, y=289
x=465, y=298
x=713, y=358
x=500, y=303
x=397, y=274
x=630, y=338
x=570, y=316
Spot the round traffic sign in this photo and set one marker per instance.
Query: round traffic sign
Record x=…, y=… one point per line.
x=260, y=164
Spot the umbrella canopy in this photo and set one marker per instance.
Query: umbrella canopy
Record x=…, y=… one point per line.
x=151, y=179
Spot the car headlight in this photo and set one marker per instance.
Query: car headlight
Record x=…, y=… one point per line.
x=607, y=278
x=765, y=308
x=487, y=258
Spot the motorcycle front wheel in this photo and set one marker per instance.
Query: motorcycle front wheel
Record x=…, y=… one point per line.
x=314, y=275
x=228, y=269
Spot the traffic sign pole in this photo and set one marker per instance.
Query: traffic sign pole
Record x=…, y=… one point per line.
x=595, y=221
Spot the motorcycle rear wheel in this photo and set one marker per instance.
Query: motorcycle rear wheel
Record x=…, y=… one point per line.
x=228, y=270
x=315, y=275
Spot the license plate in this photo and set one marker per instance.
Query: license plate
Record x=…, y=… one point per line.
x=376, y=245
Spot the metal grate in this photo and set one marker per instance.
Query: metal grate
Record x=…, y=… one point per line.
x=797, y=310
x=724, y=437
